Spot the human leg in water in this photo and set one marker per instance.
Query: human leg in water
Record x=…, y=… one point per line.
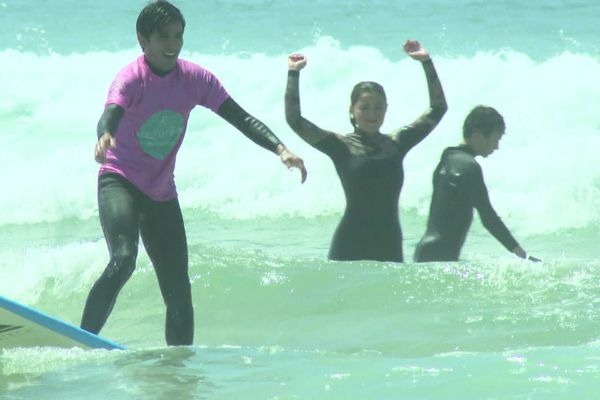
x=119, y=210
x=164, y=237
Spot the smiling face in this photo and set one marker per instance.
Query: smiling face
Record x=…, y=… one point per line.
x=162, y=46
x=368, y=112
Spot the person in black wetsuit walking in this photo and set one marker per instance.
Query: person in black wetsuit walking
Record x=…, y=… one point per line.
x=458, y=187
x=368, y=163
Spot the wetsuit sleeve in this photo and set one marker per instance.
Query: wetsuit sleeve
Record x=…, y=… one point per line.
x=408, y=136
x=308, y=131
x=479, y=198
x=109, y=121
x=254, y=129
x=122, y=93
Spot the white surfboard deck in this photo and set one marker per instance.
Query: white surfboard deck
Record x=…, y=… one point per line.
x=22, y=326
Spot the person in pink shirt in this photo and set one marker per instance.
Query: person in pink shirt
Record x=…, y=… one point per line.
x=139, y=133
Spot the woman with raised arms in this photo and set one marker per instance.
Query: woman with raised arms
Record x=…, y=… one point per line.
x=368, y=163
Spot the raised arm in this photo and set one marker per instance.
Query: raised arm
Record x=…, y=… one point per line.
x=410, y=135
x=259, y=133
x=308, y=131
x=106, y=130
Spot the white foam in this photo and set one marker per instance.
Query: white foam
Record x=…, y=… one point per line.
x=545, y=178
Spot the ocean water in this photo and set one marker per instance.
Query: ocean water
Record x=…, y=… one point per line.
x=274, y=318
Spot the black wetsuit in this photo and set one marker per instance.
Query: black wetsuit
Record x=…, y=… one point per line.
x=458, y=187
x=371, y=173
x=126, y=213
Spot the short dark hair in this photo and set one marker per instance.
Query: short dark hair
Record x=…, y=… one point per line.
x=483, y=119
x=364, y=87
x=156, y=15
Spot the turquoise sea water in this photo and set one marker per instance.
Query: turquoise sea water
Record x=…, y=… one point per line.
x=274, y=318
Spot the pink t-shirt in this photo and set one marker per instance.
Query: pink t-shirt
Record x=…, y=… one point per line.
x=155, y=119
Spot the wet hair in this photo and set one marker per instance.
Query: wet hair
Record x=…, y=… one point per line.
x=483, y=119
x=364, y=87
x=156, y=15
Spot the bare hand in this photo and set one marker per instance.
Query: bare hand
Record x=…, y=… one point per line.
x=292, y=161
x=415, y=51
x=296, y=61
x=105, y=142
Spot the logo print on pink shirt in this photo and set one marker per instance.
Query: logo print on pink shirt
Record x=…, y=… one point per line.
x=159, y=135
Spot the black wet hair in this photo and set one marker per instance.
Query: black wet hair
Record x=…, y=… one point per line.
x=483, y=119
x=156, y=15
x=364, y=87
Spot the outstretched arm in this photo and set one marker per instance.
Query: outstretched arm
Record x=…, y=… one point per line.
x=106, y=130
x=259, y=133
x=412, y=134
x=489, y=218
x=308, y=131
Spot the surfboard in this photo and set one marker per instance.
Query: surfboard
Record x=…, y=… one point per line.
x=23, y=326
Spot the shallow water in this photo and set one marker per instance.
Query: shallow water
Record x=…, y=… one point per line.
x=274, y=318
